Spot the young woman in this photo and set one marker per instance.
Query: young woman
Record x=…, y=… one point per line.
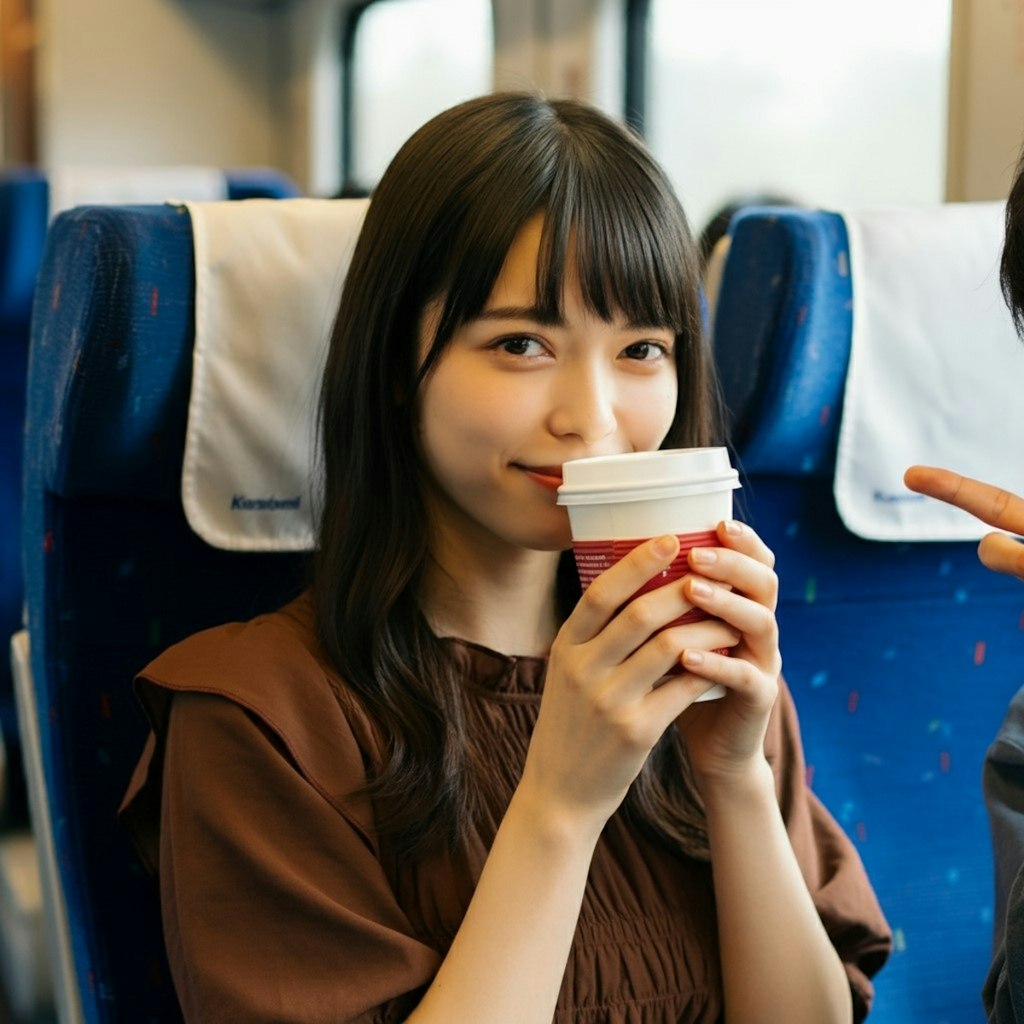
x=442, y=786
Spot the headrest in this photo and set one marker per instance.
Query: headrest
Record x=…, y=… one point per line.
x=913, y=294
x=782, y=338
x=268, y=278
x=936, y=369
x=113, y=331
x=31, y=197
x=112, y=328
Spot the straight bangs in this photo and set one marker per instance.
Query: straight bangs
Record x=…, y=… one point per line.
x=468, y=259
x=611, y=220
x=626, y=244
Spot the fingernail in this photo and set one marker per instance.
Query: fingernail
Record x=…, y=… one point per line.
x=693, y=658
x=704, y=556
x=665, y=546
x=700, y=589
x=733, y=527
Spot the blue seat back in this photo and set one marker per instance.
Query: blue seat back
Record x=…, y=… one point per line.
x=24, y=214
x=113, y=572
x=901, y=657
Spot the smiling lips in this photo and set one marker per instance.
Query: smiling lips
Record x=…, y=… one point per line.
x=549, y=477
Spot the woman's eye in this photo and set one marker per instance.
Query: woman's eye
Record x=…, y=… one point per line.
x=519, y=346
x=645, y=350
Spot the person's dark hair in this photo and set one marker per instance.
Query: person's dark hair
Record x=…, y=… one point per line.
x=439, y=227
x=1011, y=267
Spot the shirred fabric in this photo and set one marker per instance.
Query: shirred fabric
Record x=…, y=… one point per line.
x=280, y=905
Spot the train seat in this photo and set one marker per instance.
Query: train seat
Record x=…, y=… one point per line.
x=880, y=640
x=114, y=574
x=29, y=198
x=902, y=655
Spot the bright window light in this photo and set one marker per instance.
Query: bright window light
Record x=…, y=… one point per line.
x=412, y=59
x=830, y=103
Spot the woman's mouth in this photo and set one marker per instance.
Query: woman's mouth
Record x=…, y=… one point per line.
x=548, y=477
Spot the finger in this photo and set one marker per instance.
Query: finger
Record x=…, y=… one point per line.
x=643, y=617
x=734, y=674
x=740, y=537
x=1002, y=553
x=738, y=571
x=660, y=655
x=674, y=696
x=992, y=505
x=754, y=620
x=614, y=587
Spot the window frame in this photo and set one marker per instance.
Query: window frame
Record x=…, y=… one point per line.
x=347, y=107
x=346, y=132
x=635, y=64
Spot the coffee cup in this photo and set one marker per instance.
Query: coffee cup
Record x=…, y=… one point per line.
x=616, y=502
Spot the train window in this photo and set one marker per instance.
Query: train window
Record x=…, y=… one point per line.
x=406, y=60
x=828, y=104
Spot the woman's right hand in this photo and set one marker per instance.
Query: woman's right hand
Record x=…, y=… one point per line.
x=602, y=711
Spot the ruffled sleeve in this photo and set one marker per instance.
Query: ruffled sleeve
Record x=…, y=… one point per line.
x=828, y=860
x=275, y=905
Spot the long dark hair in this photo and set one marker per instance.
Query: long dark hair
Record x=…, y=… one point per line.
x=1011, y=268
x=438, y=228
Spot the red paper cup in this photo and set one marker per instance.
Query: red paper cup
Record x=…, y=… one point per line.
x=617, y=502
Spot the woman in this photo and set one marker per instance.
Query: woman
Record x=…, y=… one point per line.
x=442, y=786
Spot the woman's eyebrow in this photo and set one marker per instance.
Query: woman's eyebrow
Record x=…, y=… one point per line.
x=533, y=313
x=538, y=316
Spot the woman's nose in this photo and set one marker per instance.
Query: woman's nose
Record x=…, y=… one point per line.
x=584, y=408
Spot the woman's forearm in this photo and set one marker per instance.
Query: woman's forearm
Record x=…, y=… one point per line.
x=778, y=963
x=508, y=958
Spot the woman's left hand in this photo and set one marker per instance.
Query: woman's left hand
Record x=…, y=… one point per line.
x=737, y=584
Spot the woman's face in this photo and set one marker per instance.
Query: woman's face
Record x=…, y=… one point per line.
x=512, y=398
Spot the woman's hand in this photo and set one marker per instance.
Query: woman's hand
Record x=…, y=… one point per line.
x=605, y=703
x=736, y=584
x=991, y=505
x=778, y=962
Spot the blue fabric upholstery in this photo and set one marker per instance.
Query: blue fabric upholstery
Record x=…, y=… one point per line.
x=24, y=212
x=902, y=658
x=113, y=573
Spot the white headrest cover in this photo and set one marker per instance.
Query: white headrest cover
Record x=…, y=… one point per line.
x=268, y=278
x=936, y=370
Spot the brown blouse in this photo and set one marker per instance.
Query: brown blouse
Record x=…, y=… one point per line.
x=280, y=906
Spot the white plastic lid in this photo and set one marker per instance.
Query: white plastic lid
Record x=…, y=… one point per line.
x=639, y=476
